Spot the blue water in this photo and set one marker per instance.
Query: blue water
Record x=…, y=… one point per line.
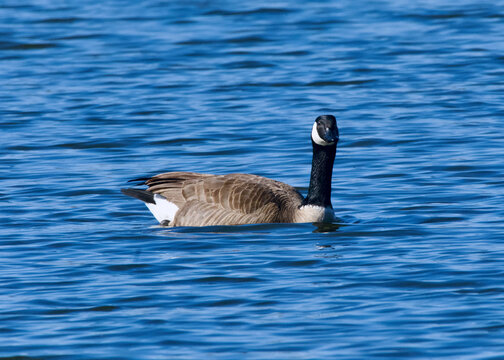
x=95, y=93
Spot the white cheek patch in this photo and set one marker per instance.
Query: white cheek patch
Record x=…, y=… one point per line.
x=316, y=137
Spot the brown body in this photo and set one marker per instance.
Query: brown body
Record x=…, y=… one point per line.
x=231, y=199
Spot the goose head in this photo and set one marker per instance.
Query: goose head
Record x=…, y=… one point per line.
x=325, y=131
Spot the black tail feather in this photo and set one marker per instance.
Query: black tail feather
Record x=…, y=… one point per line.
x=141, y=180
x=144, y=195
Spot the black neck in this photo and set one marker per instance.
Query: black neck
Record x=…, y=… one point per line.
x=319, y=192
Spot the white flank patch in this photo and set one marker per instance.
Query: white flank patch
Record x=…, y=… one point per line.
x=316, y=137
x=314, y=213
x=162, y=209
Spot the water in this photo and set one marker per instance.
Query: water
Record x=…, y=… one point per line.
x=96, y=93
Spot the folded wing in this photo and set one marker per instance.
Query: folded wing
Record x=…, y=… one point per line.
x=225, y=199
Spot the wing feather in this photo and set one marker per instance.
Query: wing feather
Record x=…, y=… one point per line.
x=225, y=199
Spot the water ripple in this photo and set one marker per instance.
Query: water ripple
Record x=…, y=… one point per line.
x=97, y=93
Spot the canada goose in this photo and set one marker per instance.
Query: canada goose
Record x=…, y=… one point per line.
x=193, y=199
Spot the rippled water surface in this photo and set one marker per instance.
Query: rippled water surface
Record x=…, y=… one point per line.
x=96, y=93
